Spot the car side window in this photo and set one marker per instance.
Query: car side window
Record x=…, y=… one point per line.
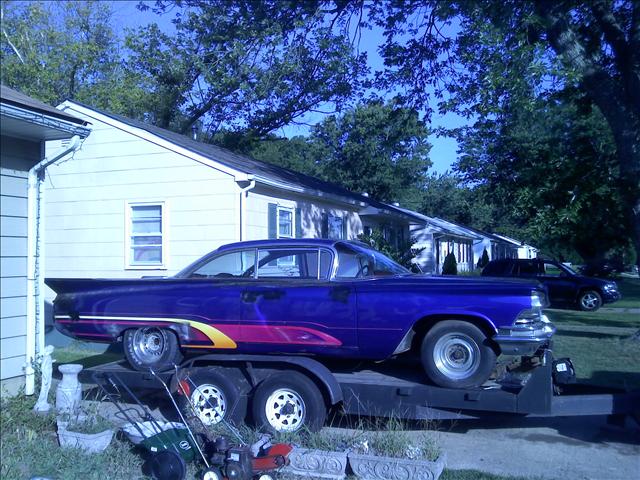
x=528, y=269
x=352, y=264
x=552, y=270
x=293, y=263
x=233, y=264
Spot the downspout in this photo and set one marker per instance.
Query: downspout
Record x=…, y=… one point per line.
x=35, y=262
x=242, y=224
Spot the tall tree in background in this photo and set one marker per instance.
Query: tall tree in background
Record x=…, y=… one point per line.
x=377, y=148
x=58, y=50
x=250, y=66
x=480, y=54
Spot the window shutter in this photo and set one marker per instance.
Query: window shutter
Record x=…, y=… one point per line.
x=298, y=224
x=345, y=227
x=325, y=225
x=273, y=220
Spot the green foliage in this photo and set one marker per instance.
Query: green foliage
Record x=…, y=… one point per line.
x=404, y=254
x=251, y=66
x=58, y=50
x=450, y=266
x=484, y=259
x=378, y=148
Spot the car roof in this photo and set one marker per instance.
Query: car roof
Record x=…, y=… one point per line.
x=283, y=242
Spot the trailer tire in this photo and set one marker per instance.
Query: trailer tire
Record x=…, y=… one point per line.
x=151, y=347
x=214, y=397
x=288, y=402
x=457, y=354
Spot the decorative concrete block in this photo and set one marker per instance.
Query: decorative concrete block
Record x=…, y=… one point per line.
x=89, y=442
x=370, y=467
x=317, y=463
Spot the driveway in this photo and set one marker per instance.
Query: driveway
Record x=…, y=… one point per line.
x=569, y=448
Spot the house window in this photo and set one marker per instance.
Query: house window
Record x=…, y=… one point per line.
x=285, y=222
x=336, y=227
x=146, y=235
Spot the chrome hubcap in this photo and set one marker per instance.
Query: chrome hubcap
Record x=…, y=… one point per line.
x=590, y=301
x=456, y=356
x=285, y=410
x=210, y=404
x=148, y=343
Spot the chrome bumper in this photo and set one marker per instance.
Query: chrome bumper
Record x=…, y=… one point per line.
x=525, y=339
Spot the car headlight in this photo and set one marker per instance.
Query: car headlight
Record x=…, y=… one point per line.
x=610, y=287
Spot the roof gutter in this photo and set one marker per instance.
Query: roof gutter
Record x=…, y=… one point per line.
x=43, y=120
x=35, y=262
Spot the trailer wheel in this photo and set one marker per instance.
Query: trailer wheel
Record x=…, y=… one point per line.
x=214, y=398
x=151, y=347
x=457, y=354
x=288, y=402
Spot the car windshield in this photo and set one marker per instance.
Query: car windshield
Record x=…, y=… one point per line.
x=355, y=261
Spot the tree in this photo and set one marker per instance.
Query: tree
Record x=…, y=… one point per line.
x=450, y=265
x=58, y=50
x=250, y=66
x=496, y=51
x=550, y=167
x=446, y=196
x=378, y=148
x=484, y=259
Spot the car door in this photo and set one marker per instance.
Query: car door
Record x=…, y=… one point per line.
x=211, y=293
x=293, y=307
x=561, y=287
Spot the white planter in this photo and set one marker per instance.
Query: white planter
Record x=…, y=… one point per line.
x=89, y=442
x=317, y=464
x=69, y=391
x=370, y=467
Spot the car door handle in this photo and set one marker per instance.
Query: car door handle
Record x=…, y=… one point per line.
x=251, y=296
x=340, y=294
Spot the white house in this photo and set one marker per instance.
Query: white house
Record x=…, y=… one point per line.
x=140, y=200
x=524, y=249
x=436, y=238
x=26, y=124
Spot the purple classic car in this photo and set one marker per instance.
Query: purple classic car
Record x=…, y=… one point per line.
x=322, y=298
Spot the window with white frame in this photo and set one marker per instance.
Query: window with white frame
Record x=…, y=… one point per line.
x=145, y=242
x=335, y=227
x=285, y=222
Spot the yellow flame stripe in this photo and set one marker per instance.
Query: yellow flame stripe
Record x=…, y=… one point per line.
x=219, y=339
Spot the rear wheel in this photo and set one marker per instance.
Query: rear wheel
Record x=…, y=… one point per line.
x=457, y=354
x=151, y=347
x=589, y=301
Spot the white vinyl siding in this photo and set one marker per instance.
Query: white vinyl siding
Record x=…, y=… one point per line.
x=16, y=158
x=87, y=198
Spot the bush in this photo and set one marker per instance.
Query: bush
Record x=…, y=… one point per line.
x=450, y=266
x=484, y=259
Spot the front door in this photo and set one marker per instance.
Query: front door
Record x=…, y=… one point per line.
x=292, y=307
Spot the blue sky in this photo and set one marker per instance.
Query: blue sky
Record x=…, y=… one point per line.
x=444, y=150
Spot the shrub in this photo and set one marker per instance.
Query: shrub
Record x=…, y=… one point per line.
x=484, y=259
x=450, y=266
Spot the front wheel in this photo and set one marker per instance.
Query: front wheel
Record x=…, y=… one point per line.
x=151, y=347
x=589, y=301
x=213, y=397
x=287, y=403
x=457, y=354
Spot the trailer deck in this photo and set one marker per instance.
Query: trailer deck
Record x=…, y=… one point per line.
x=389, y=390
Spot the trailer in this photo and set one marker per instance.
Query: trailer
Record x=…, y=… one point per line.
x=287, y=393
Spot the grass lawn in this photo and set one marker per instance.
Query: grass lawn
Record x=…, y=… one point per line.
x=630, y=289
x=600, y=346
x=76, y=353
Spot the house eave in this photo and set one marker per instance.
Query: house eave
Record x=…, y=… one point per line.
x=43, y=126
